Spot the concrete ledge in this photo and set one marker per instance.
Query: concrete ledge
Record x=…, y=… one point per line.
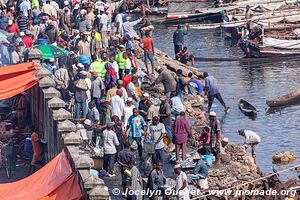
x=56, y=102
x=66, y=126
x=51, y=92
x=46, y=82
x=83, y=162
x=92, y=182
x=73, y=150
x=61, y=114
x=84, y=173
x=43, y=72
x=72, y=138
x=99, y=193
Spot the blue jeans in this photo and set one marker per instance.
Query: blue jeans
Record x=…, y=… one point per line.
x=169, y=132
x=158, y=155
x=149, y=55
x=78, y=107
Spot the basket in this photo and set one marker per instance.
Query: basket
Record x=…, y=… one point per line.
x=7, y=150
x=149, y=148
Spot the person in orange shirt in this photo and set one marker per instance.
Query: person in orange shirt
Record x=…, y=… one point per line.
x=28, y=39
x=37, y=150
x=147, y=44
x=12, y=27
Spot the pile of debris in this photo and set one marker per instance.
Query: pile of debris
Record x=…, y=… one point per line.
x=283, y=157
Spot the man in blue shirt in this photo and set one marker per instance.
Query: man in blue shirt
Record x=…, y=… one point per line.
x=135, y=125
x=194, y=86
x=213, y=92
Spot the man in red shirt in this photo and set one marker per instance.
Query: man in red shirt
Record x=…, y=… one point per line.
x=27, y=39
x=147, y=44
x=11, y=27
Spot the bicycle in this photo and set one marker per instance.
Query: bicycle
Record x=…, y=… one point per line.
x=7, y=156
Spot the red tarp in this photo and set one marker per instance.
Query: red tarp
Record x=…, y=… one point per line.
x=15, y=79
x=55, y=181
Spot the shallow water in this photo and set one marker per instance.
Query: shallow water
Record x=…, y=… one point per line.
x=256, y=83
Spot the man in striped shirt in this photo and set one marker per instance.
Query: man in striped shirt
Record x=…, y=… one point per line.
x=22, y=22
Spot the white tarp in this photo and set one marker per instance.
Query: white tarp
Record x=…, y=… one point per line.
x=282, y=44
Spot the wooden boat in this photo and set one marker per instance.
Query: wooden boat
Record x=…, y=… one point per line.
x=285, y=100
x=246, y=108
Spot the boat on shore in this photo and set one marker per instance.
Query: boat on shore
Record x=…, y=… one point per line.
x=247, y=108
x=292, y=98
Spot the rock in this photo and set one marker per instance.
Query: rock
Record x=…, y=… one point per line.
x=283, y=157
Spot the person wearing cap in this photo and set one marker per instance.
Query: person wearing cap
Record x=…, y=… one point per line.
x=136, y=127
x=83, y=25
x=110, y=142
x=156, y=131
x=252, y=139
x=181, y=188
x=120, y=86
x=97, y=89
x=178, y=38
x=128, y=110
x=120, y=60
x=213, y=91
x=117, y=104
x=93, y=113
x=28, y=39
x=89, y=130
x=128, y=27
x=99, y=66
x=215, y=135
x=22, y=22
x=144, y=105
x=200, y=172
x=49, y=9
x=84, y=45
x=35, y=29
x=12, y=27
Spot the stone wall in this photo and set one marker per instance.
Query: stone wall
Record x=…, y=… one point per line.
x=53, y=122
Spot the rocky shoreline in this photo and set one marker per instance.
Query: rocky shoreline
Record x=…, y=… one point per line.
x=237, y=166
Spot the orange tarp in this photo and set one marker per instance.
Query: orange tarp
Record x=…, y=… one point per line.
x=55, y=181
x=15, y=79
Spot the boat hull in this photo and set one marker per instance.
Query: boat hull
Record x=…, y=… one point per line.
x=292, y=98
x=190, y=18
x=246, y=108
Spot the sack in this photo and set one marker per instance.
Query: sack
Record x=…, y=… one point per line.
x=81, y=84
x=149, y=148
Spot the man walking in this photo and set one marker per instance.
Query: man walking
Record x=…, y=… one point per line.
x=252, y=139
x=213, y=92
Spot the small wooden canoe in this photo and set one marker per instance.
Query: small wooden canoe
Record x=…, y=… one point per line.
x=285, y=100
x=246, y=108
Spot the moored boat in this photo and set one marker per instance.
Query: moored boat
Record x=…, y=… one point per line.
x=285, y=100
x=246, y=108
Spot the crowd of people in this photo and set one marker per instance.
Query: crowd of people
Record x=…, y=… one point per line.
x=101, y=74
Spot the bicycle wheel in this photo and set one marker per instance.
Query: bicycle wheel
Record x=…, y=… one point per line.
x=7, y=165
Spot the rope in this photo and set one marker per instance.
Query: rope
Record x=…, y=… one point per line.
x=261, y=178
